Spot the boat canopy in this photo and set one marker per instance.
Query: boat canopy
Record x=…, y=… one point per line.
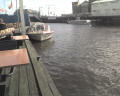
x=38, y=27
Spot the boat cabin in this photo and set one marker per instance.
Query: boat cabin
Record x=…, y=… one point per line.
x=38, y=27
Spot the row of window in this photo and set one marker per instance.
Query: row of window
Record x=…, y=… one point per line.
x=107, y=10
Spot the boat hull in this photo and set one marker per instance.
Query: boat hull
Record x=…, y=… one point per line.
x=40, y=37
x=80, y=22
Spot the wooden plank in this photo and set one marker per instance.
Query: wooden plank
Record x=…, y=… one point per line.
x=50, y=81
x=7, y=80
x=14, y=83
x=32, y=82
x=41, y=80
x=23, y=83
x=44, y=80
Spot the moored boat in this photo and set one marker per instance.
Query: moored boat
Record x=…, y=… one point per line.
x=80, y=22
x=39, y=31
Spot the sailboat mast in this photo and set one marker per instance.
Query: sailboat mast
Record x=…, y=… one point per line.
x=22, y=17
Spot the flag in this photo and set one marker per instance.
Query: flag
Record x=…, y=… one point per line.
x=78, y=3
x=11, y=5
x=2, y=10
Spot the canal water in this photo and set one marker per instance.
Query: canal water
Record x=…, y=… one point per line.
x=83, y=60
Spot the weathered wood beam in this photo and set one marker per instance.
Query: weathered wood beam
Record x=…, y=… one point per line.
x=45, y=82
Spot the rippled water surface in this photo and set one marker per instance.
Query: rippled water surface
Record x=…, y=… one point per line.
x=83, y=60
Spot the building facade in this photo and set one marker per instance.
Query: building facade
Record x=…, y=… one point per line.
x=92, y=0
x=84, y=7
x=75, y=8
x=105, y=8
x=80, y=9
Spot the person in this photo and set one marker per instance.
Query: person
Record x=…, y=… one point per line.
x=2, y=24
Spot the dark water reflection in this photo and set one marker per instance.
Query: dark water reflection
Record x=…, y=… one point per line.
x=83, y=60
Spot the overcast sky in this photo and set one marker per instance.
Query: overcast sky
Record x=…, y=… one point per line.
x=56, y=6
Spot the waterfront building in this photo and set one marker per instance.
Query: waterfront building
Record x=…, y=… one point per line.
x=84, y=7
x=76, y=8
x=105, y=8
x=81, y=9
x=106, y=12
x=92, y=0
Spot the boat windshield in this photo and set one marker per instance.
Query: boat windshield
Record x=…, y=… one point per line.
x=46, y=27
x=40, y=27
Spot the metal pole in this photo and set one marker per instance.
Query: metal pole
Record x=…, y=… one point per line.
x=89, y=6
x=22, y=17
x=17, y=13
x=39, y=12
x=5, y=6
x=48, y=11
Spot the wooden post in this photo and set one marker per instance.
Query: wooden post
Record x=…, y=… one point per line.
x=22, y=17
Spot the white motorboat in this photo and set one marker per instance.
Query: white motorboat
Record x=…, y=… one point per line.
x=39, y=31
x=79, y=22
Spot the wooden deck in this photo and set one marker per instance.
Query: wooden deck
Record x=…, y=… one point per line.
x=30, y=80
x=23, y=83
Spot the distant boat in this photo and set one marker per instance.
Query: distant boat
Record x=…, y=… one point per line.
x=39, y=31
x=80, y=22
